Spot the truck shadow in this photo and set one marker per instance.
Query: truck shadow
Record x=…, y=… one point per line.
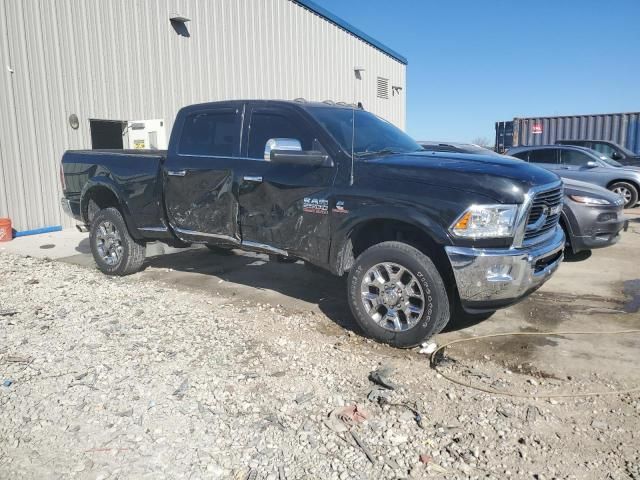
x=252, y=277
x=246, y=276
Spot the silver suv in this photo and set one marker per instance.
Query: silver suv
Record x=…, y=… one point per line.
x=587, y=165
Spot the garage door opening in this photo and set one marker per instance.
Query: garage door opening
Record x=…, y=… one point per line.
x=107, y=133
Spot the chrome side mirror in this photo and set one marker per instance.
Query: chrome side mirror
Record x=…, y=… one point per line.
x=592, y=164
x=288, y=144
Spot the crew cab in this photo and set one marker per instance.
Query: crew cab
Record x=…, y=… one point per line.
x=423, y=236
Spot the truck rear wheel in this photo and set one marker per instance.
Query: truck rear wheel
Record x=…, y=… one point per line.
x=397, y=295
x=114, y=250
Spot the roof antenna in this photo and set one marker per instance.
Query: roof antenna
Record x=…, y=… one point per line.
x=358, y=76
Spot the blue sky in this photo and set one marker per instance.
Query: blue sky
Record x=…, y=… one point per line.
x=472, y=63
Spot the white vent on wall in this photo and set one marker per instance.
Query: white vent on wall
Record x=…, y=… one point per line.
x=383, y=88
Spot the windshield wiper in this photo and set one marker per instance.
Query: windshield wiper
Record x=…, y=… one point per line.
x=384, y=151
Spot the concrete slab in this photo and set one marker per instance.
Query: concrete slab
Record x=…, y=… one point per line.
x=54, y=245
x=66, y=243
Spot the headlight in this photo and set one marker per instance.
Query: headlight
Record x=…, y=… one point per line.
x=589, y=200
x=486, y=221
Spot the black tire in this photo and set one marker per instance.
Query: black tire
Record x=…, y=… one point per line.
x=435, y=314
x=568, y=244
x=632, y=195
x=131, y=254
x=219, y=249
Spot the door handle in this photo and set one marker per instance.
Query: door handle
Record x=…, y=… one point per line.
x=250, y=178
x=176, y=173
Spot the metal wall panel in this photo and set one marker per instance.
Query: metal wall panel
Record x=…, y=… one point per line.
x=621, y=128
x=123, y=60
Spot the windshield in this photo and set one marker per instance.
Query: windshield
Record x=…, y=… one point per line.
x=609, y=160
x=626, y=151
x=372, y=133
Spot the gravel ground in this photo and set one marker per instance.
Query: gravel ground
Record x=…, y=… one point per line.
x=130, y=378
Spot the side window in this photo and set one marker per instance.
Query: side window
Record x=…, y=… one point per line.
x=546, y=155
x=603, y=148
x=210, y=133
x=267, y=125
x=574, y=158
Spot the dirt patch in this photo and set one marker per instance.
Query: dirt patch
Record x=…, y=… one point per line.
x=546, y=310
x=632, y=289
x=502, y=349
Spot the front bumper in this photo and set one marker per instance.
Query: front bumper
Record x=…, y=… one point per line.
x=490, y=278
x=596, y=227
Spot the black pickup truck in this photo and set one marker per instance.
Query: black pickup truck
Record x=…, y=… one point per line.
x=423, y=236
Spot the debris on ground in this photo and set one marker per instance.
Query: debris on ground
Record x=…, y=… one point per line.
x=363, y=447
x=379, y=395
x=428, y=348
x=17, y=359
x=182, y=389
x=343, y=418
x=381, y=375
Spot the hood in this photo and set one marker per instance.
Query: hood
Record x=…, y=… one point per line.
x=628, y=168
x=575, y=187
x=503, y=179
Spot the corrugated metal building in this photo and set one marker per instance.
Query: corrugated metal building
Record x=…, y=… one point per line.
x=620, y=128
x=76, y=72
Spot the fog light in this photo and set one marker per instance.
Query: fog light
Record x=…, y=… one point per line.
x=499, y=273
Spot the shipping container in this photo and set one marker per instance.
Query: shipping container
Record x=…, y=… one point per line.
x=620, y=128
x=504, y=136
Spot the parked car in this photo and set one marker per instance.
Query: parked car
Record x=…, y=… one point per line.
x=613, y=150
x=587, y=165
x=421, y=237
x=456, y=147
x=592, y=217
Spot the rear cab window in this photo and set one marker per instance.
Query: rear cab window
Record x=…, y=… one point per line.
x=214, y=133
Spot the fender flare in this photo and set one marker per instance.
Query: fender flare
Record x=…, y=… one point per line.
x=343, y=232
x=114, y=188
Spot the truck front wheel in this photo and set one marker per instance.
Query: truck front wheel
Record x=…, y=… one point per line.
x=397, y=295
x=114, y=250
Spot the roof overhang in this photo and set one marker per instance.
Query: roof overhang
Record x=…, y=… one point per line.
x=323, y=12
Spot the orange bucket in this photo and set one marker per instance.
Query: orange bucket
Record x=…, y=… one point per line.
x=6, y=233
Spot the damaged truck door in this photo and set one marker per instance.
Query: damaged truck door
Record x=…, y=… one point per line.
x=283, y=163
x=200, y=198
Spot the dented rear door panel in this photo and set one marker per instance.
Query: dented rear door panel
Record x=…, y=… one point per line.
x=201, y=188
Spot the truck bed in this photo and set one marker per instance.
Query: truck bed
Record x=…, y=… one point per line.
x=132, y=176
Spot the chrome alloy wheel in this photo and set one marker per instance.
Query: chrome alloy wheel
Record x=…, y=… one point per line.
x=624, y=192
x=109, y=243
x=392, y=296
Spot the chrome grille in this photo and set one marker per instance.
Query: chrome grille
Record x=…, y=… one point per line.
x=544, y=214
